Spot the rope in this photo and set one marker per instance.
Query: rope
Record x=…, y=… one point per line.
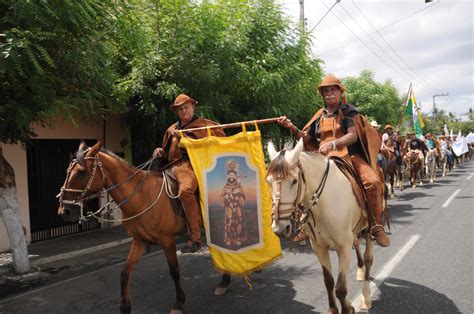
x=140, y=213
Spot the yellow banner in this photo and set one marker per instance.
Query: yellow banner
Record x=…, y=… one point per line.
x=235, y=201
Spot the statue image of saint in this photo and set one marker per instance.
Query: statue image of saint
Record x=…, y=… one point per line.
x=232, y=200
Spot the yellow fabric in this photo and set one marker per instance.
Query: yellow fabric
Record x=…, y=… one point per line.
x=236, y=214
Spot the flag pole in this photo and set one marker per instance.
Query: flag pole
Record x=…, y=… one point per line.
x=233, y=125
x=402, y=114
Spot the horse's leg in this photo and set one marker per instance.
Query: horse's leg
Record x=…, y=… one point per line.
x=169, y=247
x=323, y=256
x=392, y=182
x=136, y=250
x=365, y=302
x=344, y=254
x=222, y=287
x=360, y=260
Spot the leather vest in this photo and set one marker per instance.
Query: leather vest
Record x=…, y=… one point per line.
x=330, y=129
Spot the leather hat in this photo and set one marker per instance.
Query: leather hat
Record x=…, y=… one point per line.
x=388, y=126
x=331, y=80
x=181, y=100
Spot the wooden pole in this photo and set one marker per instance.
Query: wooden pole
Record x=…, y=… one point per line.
x=232, y=125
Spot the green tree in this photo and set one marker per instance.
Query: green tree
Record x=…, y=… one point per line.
x=55, y=56
x=379, y=101
x=239, y=60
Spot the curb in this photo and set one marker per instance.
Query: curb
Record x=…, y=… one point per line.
x=36, y=262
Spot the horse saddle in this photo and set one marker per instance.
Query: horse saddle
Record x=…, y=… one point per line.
x=357, y=188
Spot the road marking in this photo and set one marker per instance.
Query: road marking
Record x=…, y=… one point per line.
x=386, y=270
x=450, y=199
x=470, y=176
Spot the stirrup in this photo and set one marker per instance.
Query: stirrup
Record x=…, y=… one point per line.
x=301, y=236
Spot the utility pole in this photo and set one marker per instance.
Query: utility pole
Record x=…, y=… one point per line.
x=434, y=103
x=302, y=21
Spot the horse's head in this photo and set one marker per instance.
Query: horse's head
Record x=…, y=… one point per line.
x=285, y=177
x=84, y=179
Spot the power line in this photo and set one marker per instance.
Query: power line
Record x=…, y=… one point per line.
x=389, y=25
x=343, y=23
x=393, y=50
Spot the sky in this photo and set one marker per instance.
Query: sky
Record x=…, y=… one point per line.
x=431, y=45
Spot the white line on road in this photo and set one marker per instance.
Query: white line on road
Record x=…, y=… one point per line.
x=387, y=269
x=470, y=176
x=450, y=199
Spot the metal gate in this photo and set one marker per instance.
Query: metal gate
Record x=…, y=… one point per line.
x=47, y=161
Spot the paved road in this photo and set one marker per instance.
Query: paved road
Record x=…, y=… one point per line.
x=428, y=269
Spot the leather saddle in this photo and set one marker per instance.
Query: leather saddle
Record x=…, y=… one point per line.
x=357, y=188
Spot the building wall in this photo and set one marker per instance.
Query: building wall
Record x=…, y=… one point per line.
x=16, y=156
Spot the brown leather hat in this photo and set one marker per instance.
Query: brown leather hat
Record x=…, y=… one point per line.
x=331, y=80
x=181, y=100
x=388, y=126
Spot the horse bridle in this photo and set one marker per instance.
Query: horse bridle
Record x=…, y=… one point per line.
x=295, y=204
x=82, y=193
x=298, y=213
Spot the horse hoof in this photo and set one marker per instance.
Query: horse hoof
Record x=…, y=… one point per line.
x=360, y=274
x=220, y=291
x=365, y=305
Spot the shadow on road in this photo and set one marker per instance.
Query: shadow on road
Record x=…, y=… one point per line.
x=401, y=296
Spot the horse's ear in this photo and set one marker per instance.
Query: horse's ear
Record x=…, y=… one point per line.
x=95, y=149
x=82, y=145
x=295, y=153
x=271, y=150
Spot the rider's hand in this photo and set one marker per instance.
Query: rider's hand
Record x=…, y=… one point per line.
x=175, y=133
x=158, y=152
x=285, y=122
x=325, y=148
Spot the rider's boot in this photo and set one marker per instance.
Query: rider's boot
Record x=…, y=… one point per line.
x=378, y=232
x=191, y=210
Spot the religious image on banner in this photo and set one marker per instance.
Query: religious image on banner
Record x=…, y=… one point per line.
x=236, y=202
x=233, y=211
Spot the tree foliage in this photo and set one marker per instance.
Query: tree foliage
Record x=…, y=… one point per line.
x=378, y=101
x=56, y=56
x=241, y=60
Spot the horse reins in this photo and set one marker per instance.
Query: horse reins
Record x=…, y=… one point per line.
x=83, y=198
x=299, y=214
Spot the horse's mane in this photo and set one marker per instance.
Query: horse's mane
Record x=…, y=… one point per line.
x=81, y=155
x=278, y=167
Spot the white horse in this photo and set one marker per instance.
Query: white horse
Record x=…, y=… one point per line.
x=310, y=187
x=443, y=160
x=430, y=163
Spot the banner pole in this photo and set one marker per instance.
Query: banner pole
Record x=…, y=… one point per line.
x=404, y=107
x=232, y=125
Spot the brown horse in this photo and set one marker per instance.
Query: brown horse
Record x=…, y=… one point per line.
x=148, y=214
x=393, y=170
x=414, y=165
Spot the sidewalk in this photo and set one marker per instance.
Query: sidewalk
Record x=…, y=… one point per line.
x=68, y=247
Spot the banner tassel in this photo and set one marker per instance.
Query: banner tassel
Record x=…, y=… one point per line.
x=248, y=282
